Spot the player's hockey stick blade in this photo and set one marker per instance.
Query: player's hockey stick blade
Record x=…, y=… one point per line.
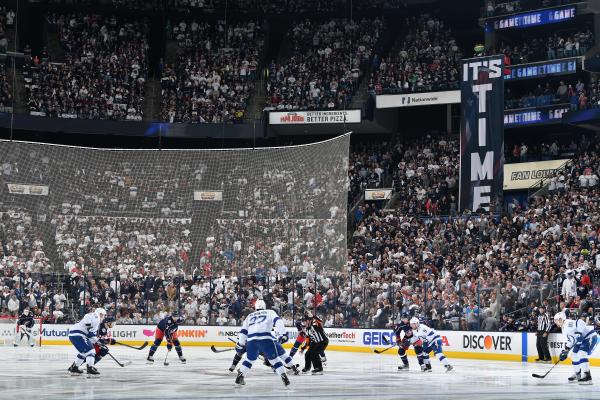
x=384, y=350
x=118, y=362
x=142, y=347
x=215, y=350
x=166, y=363
x=546, y=374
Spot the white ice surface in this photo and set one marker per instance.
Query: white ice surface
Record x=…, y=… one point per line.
x=41, y=373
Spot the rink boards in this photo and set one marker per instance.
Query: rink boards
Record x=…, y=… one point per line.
x=502, y=346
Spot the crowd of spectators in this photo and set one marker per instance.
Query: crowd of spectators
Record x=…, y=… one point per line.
x=556, y=46
x=425, y=60
x=327, y=61
x=214, y=74
x=524, y=151
x=104, y=72
x=422, y=257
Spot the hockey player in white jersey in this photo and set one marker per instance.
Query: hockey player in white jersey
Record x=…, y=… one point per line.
x=83, y=335
x=431, y=342
x=256, y=334
x=581, y=340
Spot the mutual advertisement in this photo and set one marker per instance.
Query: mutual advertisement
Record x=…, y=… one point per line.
x=33, y=190
x=378, y=194
x=417, y=99
x=525, y=175
x=314, y=117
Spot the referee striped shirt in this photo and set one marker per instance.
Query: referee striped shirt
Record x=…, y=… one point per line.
x=543, y=324
x=316, y=333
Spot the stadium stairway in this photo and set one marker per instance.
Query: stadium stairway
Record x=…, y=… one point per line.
x=152, y=94
x=20, y=100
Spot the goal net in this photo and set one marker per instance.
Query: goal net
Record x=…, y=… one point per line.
x=120, y=215
x=10, y=333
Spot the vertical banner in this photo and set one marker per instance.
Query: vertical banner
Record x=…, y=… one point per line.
x=481, y=133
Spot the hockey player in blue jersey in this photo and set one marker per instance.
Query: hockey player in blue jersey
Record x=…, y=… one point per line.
x=300, y=339
x=104, y=338
x=24, y=329
x=83, y=335
x=257, y=336
x=581, y=341
x=167, y=328
x=404, y=334
x=432, y=342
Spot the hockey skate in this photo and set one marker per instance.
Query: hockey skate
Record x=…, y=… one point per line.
x=423, y=368
x=239, y=380
x=323, y=360
x=150, y=360
x=285, y=379
x=403, y=367
x=575, y=378
x=182, y=359
x=317, y=371
x=74, y=370
x=305, y=371
x=586, y=379
x=449, y=368
x=232, y=368
x=92, y=372
x=295, y=369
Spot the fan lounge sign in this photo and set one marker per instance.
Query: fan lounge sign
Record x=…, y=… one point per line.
x=482, y=133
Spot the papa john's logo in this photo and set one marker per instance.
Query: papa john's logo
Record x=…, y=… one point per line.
x=487, y=342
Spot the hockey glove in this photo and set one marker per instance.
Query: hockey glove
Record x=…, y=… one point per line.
x=112, y=341
x=239, y=349
x=169, y=346
x=283, y=339
x=564, y=354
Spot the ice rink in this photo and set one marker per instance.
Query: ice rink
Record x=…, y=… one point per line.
x=34, y=373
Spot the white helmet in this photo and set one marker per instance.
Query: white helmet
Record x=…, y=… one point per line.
x=414, y=320
x=560, y=316
x=260, y=305
x=100, y=313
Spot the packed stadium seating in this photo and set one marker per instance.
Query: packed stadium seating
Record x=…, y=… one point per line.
x=425, y=60
x=327, y=62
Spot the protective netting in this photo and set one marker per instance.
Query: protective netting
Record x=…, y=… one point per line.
x=116, y=215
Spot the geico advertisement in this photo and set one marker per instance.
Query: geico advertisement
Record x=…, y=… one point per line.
x=556, y=344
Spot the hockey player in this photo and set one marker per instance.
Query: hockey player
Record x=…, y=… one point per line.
x=404, y=334
x=431, y=342
x=256, y=335
x=300, y=339
x=582, y=340
x=167, y=327
x=104, y=338
x=25, y=325
x=83, y=335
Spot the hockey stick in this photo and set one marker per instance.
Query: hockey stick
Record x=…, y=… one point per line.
x=215, y=350
x=384, y=350
x=166, y=363
x=143, y=346
x=543, y=376
x=231, y=340
x=117, y=361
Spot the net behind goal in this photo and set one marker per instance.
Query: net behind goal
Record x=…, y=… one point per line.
x=226, y=219
x=10, y=333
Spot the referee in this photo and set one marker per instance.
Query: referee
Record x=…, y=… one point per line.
x=543, y=329
x=317, y=343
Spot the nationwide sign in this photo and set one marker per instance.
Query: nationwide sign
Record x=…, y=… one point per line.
x=529, y=19
x=417, y=99
x=314, y=117
x=525, y=175
x=481, y=133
